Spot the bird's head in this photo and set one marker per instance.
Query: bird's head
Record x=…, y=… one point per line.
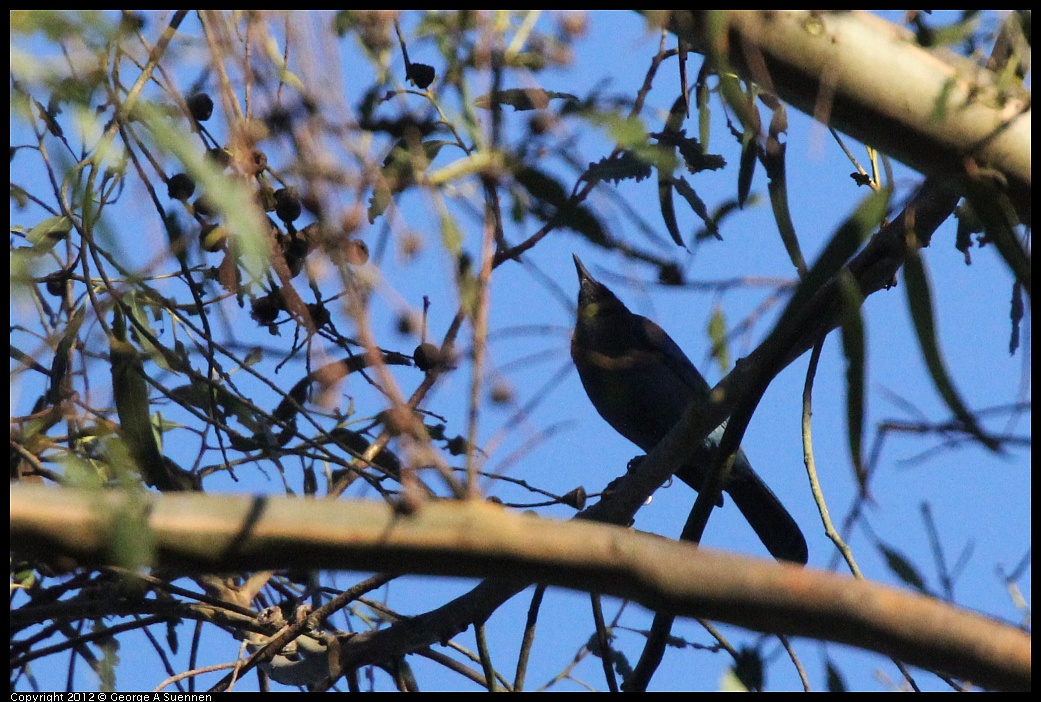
x=595, y=301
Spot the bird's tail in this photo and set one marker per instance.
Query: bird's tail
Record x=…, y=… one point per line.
x=772, y=524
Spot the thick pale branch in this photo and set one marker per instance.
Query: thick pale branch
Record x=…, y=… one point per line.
x=868, y=78
x=222, y=533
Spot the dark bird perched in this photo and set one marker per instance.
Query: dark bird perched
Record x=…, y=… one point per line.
x=641, y=382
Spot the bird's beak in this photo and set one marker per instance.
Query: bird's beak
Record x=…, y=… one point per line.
x=583, y=274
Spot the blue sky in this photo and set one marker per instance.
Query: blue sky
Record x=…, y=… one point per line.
x=978, y=500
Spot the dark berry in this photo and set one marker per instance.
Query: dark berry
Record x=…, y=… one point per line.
x=670, y=274
x=131, y=21
x=279, y=120
x=457, y=446
x=538, y=124
x=56, y=283
x=221, y=157
x=310, y=481
x=201, y=107
x=203, y=207
x=407, y=324
x=264, y=310
x=180, y=187
x=294, y=245
x=420, y=74
x=351, y=439
x=576, y=498
x=319, y=314
x=397, y=420
x=463, y=263
x=287, y=205
x=501, y=393
x=427, y=356
x=352, y=219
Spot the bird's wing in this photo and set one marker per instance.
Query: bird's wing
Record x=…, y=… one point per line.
x=673, y=357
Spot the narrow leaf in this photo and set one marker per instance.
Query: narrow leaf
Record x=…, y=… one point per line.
x=130, y=392
x=523, y=98
x=697, y=204
x=840, y=248
x=777, y=185
x=668, y=211
x=60, y=365
x=746, y=168
x=131, y=396
x=903, y=568
x=919, y=299
x=717, y=332
x=49, y=232
x=853, y=346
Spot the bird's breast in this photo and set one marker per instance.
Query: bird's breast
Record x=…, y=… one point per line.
x=637, y=395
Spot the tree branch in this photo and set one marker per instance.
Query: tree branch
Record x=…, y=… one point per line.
x=842, y=68
x=227, y=533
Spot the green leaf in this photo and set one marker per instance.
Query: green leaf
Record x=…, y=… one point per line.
x=730, y=682
x=903, y=568
x=451, y=235
x=836, y=682
x=748, y=668
x=628, y=132
x=172, y=640
x=668, y=210
x=380, y=200
x=717, y=332
x=704, y=113
x=677, y=114
x=49, y=232
x=523, y=98
x=615, y=169
x=198, y=396
x=400, y=168
x=746, y=168
x=542, y=186
x=231, y=196
x=920, y=302
x=1016, y=309
x=108, y=661
x=137, y=309
x=481, y=162
x=843, y=244
x=133, y=543
x=853, y=346
x=59, y=366
x=554, y=205
x=130, y=391
x=697, y=204
x=694, y=156
x=996, y=214
x=621, y=664
x=777, y=185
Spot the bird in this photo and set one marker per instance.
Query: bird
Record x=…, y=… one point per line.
x=641, y=383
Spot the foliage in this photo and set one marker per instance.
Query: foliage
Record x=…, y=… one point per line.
x=211, y=212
